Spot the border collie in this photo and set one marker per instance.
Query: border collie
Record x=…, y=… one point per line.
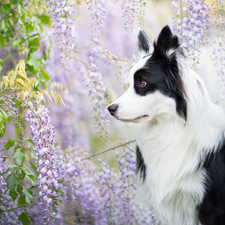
x=180, y=141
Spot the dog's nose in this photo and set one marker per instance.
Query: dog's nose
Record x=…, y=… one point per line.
x=112, y=109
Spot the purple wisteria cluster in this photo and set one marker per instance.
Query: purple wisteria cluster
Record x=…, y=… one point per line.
x=107, y=187
x=82, y=200
x=97, y=91
x=97, y=14
x=128, y=179
x=43, y=137
x=218, y=57
x=81, y=47
x=218, y=51
x=191, y=23
x=95, y=194
x=129, y=9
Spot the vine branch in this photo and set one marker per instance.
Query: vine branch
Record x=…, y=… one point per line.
x=106, y=150
x=11, y=92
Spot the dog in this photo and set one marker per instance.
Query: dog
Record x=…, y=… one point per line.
x=180, y=138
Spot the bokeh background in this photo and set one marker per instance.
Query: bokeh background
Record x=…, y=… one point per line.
x=93, y=45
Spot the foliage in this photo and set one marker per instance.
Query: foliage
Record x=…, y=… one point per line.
x=46, y=53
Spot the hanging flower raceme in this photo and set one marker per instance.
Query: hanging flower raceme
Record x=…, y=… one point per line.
x=96, y=92
x=43, y=137
x=218, y=50
x=97, y=9
x=191, y=23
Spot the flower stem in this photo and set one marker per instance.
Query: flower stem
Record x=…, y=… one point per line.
x=106, y=150
x=13, y=54
x=11, y=92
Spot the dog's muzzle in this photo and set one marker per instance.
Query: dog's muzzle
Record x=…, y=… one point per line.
x=113, y=108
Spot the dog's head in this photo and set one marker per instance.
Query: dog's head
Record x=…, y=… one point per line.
x=155, y=88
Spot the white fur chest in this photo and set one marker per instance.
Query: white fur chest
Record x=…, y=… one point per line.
x=173, y=185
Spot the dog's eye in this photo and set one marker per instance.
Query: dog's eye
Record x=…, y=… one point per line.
x=142, y=83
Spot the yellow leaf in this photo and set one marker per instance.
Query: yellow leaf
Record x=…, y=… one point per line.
x=11, y=22
x=24, y=51
x=22, y=65
x=50, y=93
x=110, y=55
x=5, y=1
x=11, y=74
x=58, y=85
x=59, y=99
x=21, y=81
x=22, y=74
x=55, y=97
x=47, y=94
x=33, y=81
x=25, y=88
x=32, y=93
x=10, y=80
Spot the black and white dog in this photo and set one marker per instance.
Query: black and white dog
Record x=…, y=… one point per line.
x=181, y=148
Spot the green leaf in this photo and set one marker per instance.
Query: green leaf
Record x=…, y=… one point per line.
x=4, y=25
x=18, y=155
x=40, y=26
x=20, y=10
x=34, y=44
x=40, y=77
x=32, y=153
x=31, y=147
x=20, y=189
x=49, y=44
x=14, y=2
x=6, y=7
x=60, y=191
x=32, y=178
x=9, y=144
x=2, y=41
x=21, y=200
x=22, y=175
x=44, y=56
x=11, y=166
x=45, y=19
x=18, y=41
x=11, y=181
x=24, y=218
x=1, y=62
x=4, y=115
x=45, y=75
x=33, y=61
x=28, y=195
x=33, y=166
x=13, y=194
x=29, y=27
x=29, y=174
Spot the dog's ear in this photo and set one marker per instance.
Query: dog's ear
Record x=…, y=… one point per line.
x=144, y=43
x=167, y=47
x=167, y=43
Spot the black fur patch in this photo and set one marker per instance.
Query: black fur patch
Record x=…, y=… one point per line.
x=143, y=42
x=161, y=72
x=212, y=208
x=140, y=164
